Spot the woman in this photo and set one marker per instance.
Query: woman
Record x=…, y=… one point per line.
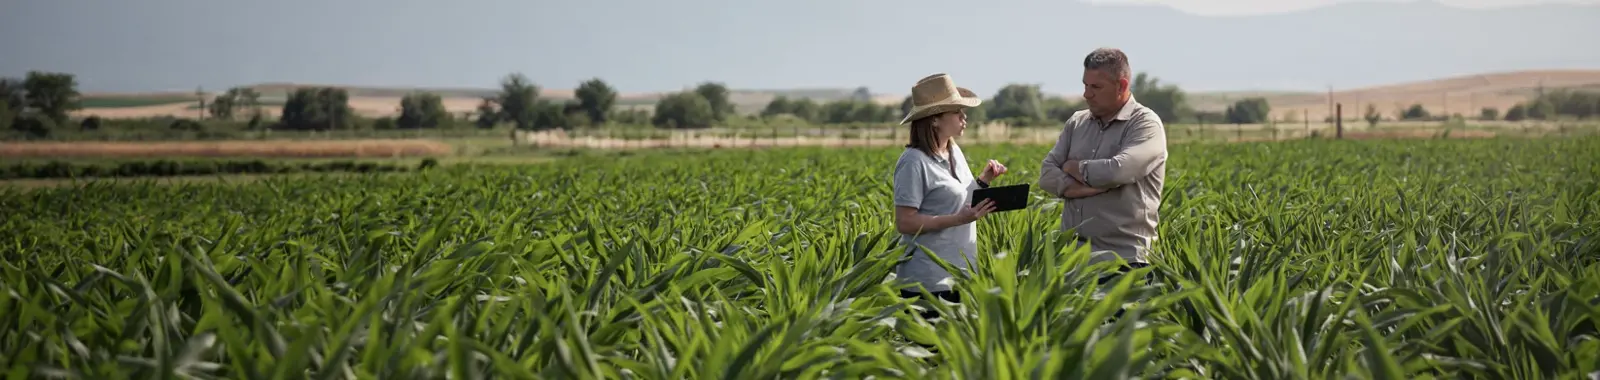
x=933, y=188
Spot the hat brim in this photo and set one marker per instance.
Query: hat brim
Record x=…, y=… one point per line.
x=941, y=107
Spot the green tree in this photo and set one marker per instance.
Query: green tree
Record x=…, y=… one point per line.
x=1594, y=105
x=1212, y=117
x=1168, y=101
x=631, y=116
x=687, y=109
x=186, y=125
x=226, y=105
x=1542, y=109
x=488, y=113
x=248, y=99
x=13, y=94
x=1059, y=109
x=518, y=101
x=52, y=94
x=222, y=106
x=805, y=109
x=778, y=106
x=6, y=116
x=1248, y=111
x=1517, y=112
x=33, y=124
x=1021, y=104
x=1372, y=115
x=596, y=99
x=1488, y=114
x=13, y=98
x=716, y=94
x=91, y=123
x=1415, y=112
x=574, y=114
x=854, y=111
x=861, y=94
x=1579, y=104
x=317, y=108
x=551, y=115
x=384, y=123
x=422, y=110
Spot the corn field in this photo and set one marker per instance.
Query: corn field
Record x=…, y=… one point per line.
x=1311, y=259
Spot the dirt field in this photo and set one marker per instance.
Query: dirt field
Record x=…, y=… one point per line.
x=262, y=149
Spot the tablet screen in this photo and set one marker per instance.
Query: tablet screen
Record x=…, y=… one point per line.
x=1006, y=198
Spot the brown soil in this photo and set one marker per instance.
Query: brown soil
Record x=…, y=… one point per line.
x=295, y=149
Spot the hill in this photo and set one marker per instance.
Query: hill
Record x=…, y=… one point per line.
x=1466, y=95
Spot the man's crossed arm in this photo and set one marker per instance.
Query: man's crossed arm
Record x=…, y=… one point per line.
x=1053, y=175
x=1144, y=148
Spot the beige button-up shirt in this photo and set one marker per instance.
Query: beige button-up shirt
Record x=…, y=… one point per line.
x=1128, y=158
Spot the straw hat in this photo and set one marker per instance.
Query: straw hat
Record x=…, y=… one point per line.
x=936, y=94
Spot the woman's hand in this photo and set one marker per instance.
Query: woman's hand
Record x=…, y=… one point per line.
x=969, y=214
x=991, y=171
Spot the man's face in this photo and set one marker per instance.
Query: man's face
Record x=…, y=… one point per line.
x=1101, y=91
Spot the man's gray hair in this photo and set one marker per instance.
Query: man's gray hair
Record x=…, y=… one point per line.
x=1110, y=60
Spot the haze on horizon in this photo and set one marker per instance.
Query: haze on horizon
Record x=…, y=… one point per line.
x=1202, y=45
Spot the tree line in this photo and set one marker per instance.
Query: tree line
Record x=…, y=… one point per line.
x=1545, y=105
x=42, y=101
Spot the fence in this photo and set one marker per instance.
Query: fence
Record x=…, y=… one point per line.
x=1001, y=133
x=825, y=135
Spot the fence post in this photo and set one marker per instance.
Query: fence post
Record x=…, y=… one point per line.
x=1338, y=120
x=1305, y=117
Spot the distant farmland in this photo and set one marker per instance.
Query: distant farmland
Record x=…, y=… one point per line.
x=118, y=101
x=1466, y=95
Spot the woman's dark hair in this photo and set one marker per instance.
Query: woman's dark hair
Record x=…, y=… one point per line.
x=923, y=134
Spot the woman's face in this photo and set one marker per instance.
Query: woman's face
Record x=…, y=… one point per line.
x=951, y=124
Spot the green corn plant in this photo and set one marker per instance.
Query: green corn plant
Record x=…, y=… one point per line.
x=1286, y=260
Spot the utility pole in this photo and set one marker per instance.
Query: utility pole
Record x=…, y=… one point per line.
x=200, y=93
x=1444, y=100
x=1472, y=101
x=1330, y=101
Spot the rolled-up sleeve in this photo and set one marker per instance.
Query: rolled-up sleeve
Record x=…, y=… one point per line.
x=1144, y=148
x=1051, y=178
x=909, y=183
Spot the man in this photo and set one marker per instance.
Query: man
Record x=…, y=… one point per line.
x=1109, y=164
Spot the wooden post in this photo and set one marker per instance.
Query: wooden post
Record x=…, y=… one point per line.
x=1338, y=120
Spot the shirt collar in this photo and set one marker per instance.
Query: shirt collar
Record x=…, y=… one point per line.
x=1122, y=115
x=1127, y=109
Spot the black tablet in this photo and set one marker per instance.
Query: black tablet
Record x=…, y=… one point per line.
x=1006, y=198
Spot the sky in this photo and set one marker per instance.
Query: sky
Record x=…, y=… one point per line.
x=1257, y=7
x=652, y=45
